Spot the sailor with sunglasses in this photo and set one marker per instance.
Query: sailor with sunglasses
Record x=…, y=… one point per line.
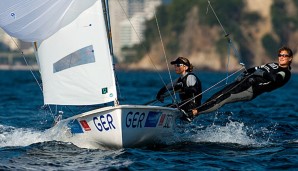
x=188, y=85
x=252, y=82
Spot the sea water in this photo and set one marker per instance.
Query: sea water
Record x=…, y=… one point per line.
x=258, y=135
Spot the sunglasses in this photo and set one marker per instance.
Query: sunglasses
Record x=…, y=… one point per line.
x=179, y=65
x=283, y=55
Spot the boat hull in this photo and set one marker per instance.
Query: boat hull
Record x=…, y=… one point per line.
x=121, y=126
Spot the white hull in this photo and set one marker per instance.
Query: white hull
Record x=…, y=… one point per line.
x=120, y=126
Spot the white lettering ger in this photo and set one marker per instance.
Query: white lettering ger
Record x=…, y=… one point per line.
x=134, y=120
x=104, y=122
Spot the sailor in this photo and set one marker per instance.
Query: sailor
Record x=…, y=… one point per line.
x=188, y=85
x=251, y=83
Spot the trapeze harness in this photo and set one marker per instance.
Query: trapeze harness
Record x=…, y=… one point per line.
x=249, y=87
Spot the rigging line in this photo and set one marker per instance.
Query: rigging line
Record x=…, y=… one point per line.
x=223, y=93
x=230, y=43
x=228, y=62
x=138, y=36
x=208, y=89
x=226, y=35
x=48, y=107
x=31, y=71
x=165, y=55
x=237, y=53
x=31, y=68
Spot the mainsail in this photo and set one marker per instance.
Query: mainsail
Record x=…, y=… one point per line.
x=35, y=20
x=72, y=47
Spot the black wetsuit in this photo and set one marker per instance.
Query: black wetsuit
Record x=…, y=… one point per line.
x=254, y=82
x=186, y=92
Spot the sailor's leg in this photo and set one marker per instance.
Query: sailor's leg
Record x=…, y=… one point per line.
x=213, y=102
x=242, y=96
x=227, y=89
x=223, y=99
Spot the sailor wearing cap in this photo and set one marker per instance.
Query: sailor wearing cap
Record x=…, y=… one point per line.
x=188, y=85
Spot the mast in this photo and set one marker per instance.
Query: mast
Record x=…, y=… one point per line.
x=106, y=12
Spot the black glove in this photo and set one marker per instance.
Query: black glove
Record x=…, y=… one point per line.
x=259, y=72
x=241, y=76
x=178, y=86
x=160, y=97
x=160, y=93
x=252, y=81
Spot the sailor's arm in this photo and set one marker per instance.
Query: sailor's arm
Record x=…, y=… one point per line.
x=274, y=77
x=278, y=77
x=190, y=84
x=195, y=112
x=164, y=89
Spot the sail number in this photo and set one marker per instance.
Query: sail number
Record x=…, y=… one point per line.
x=104, y=122
x=134, y=120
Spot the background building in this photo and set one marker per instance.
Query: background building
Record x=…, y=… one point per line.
x=127, y=22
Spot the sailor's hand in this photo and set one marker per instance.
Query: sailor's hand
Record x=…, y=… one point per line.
x=160, y=97
x=259, y=72
x=241, y=76
x=178, y=86
x=252, y=81
x=195, y=112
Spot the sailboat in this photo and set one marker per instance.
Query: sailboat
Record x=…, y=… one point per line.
x=73, y=47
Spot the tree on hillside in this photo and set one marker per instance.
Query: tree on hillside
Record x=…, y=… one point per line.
x=284, y=25
x=172, y=20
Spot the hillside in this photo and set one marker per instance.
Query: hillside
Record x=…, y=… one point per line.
x=256, y=28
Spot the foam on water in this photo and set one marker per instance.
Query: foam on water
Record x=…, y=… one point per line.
x=11, y=136
x=61, y=132
x=233, y=132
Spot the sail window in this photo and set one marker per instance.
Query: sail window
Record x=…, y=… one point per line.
x=79, y=57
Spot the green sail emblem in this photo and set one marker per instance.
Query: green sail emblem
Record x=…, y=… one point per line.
x=104, y=90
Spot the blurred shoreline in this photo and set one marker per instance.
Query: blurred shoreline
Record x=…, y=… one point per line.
x=119, y=67
x=16, y=61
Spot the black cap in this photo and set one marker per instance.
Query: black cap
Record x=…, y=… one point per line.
x=181, y=60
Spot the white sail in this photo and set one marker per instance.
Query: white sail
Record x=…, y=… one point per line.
x=75, y=62
x=72, y=48
x=35, y=20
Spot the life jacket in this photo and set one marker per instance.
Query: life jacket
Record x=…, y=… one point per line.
x=189, y=92
x=276, y=77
